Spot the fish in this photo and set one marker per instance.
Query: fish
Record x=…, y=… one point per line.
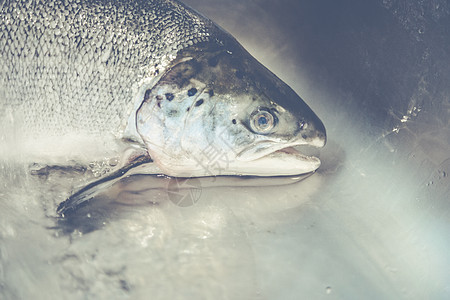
x=149, y=85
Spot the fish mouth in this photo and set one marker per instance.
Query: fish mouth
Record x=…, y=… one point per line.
x=272, y=159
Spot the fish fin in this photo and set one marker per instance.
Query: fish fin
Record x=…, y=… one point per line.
x=88, y=192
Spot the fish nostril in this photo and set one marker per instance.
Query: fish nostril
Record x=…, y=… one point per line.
x=302, y=125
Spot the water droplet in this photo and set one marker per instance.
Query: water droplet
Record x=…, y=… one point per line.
x=113, y=162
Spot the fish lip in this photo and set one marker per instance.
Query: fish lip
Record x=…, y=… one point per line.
x=266, y=148
x=278, y=159
x=292, y=151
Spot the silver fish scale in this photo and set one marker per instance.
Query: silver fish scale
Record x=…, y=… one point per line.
x=75, y=66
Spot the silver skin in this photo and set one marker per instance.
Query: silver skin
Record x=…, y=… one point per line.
x=91, y=81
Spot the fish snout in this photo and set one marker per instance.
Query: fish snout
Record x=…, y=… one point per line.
x=313, y=132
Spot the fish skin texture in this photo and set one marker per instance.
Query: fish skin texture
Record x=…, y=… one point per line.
x=76, y=66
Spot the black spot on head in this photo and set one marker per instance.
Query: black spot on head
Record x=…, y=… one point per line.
x=170, y=96
x=211, y=93
x=234, y=121
x=239, y=74
x=199, y=102
x=158, y=100
x=192, y=92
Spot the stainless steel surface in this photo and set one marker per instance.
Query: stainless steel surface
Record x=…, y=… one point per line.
x=373, y=223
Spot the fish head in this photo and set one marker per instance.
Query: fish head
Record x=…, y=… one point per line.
x=218, y=111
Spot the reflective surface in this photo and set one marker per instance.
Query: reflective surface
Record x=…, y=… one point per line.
x=373, y=223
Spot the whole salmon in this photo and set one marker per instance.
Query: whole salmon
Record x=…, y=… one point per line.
x=108, y=80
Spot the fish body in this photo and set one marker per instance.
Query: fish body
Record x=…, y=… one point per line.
x=92, y=80
x=73, y=69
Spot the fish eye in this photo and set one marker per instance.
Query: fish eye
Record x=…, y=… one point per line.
x=262, y=121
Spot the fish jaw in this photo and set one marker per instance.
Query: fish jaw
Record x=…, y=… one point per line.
x=269, y=158
x=279, y=163
x=284, y=162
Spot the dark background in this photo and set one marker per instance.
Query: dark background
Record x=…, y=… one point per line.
x=379, y=58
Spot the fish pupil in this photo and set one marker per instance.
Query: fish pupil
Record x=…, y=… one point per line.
x=262, y=121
